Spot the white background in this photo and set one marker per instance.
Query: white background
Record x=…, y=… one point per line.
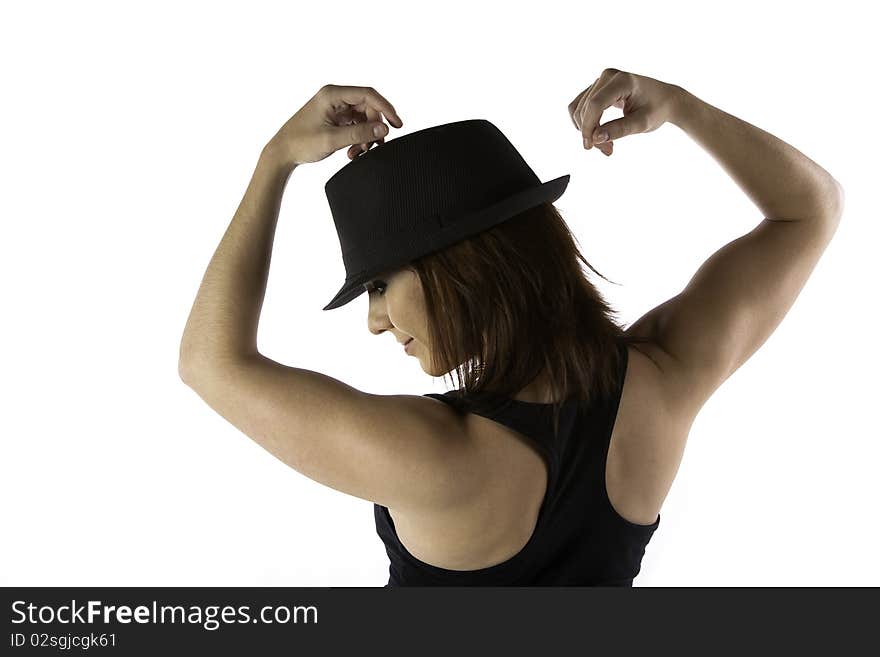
x=129, y=134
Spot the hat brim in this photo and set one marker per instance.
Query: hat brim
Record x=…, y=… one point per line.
x=547, y=192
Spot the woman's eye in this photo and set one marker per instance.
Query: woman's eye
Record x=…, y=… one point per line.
x=380, y=286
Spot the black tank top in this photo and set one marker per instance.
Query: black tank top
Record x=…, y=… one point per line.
x=579, y=539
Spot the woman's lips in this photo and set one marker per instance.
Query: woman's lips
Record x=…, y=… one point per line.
x=406, y=345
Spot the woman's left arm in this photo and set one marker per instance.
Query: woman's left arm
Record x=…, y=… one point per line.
x=405, y=452
x=226, y=313
x=222, y=325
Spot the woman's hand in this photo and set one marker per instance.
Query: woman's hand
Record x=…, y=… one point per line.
x=647, y=104
x=335, y=117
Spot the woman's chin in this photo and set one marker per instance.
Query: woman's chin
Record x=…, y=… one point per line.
x=430, y=369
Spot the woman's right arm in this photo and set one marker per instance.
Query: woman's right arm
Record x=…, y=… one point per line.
x=783, y=182
x=741, y=293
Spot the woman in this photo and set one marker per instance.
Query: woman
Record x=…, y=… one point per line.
x=549, y=464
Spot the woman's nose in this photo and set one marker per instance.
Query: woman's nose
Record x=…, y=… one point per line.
x=377, y=322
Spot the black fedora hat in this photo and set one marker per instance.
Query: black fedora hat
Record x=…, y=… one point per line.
x=424, y=191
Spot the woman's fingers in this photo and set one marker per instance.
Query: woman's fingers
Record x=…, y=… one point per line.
x=365, y=98
x=573, y=105
x=356, y=149
x=646, y=103
x=591, y=107
x=582, y=99
x=372, y=115
x=366, y=106
x=576, y=109
x=587, y=107
x=351, y=116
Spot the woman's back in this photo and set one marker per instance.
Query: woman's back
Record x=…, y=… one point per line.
x=554, y=511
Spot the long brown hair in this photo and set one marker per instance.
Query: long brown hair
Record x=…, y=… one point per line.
x=513, y=302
